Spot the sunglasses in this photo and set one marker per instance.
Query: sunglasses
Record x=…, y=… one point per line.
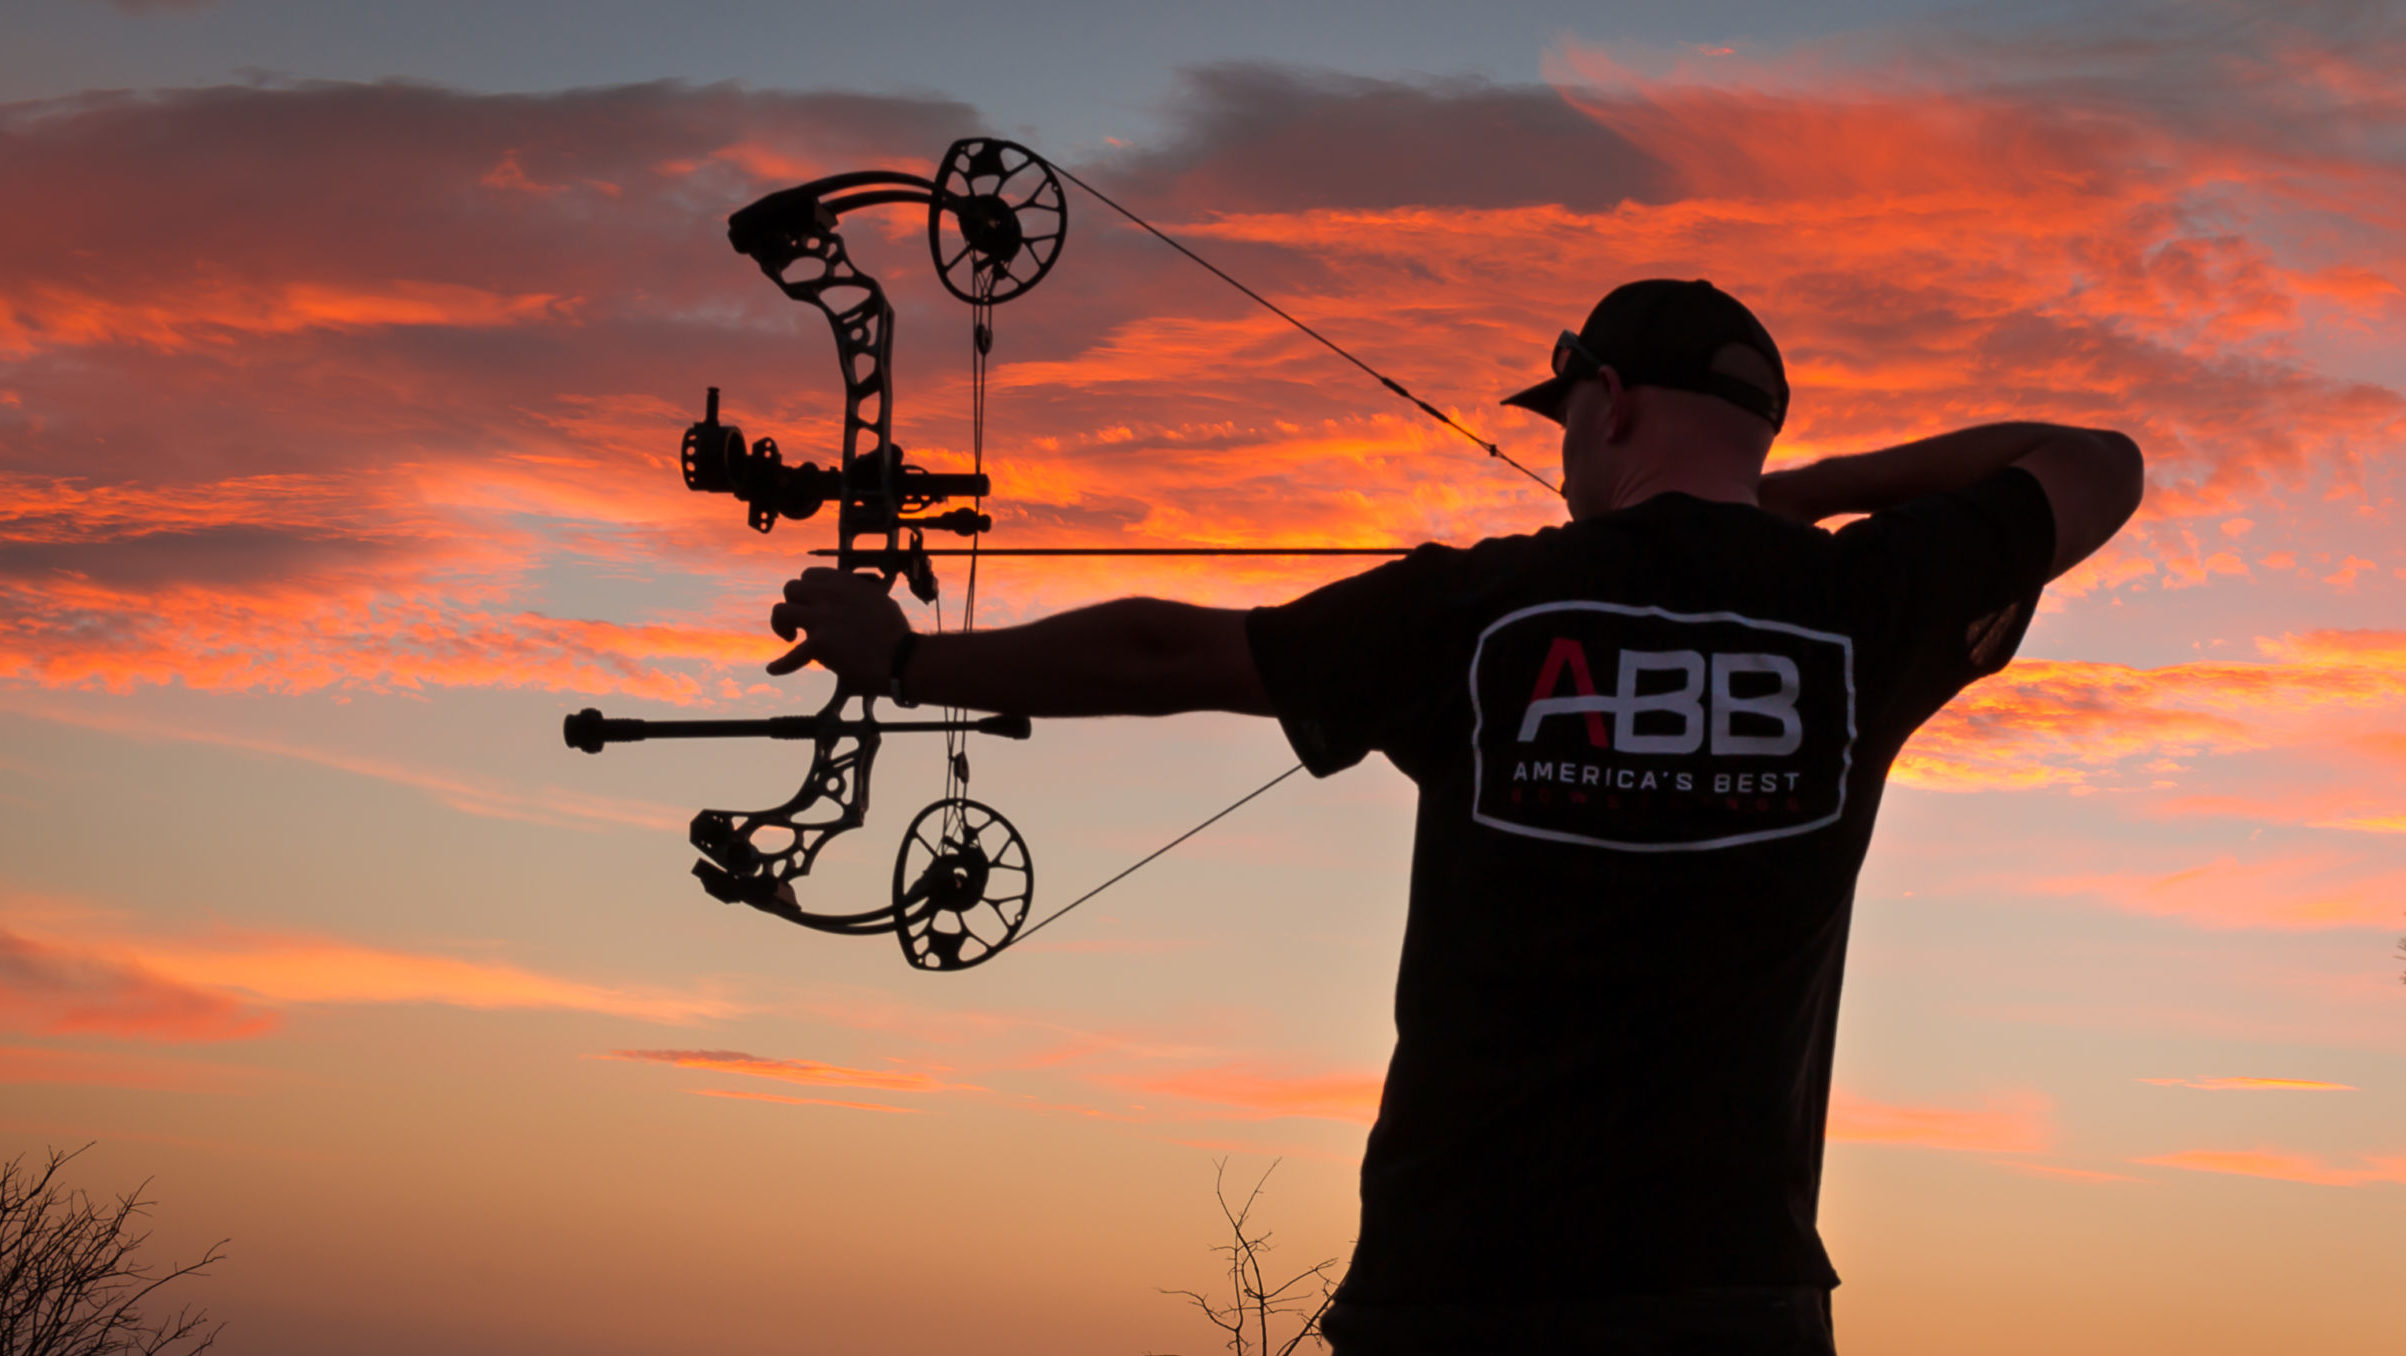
x=1573, y=359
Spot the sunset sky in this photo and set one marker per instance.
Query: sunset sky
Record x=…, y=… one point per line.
x=344, y=351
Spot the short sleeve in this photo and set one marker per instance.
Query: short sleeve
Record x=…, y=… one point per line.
x=1365, y=663
x=1960, y=572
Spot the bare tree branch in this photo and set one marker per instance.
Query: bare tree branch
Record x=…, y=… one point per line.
x=1253, y=1303
x=69, y=1281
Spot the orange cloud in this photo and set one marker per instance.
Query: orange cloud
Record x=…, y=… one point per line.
x=553, y=805
x=115, y=1069
x=805, y=1071
x=1930, y=256
x=290, y=970
x=64, y=990
x=2251, y=1084
x=2281, y=1166
x=802, y=1101
x=2384, y=650
x=82, y=977
x=2016, y=1123
x=2057, y=723
x=47, y=317
x=2041, y=244
x=1245, y=1093
x=2291, y=892
x=2062, y=1173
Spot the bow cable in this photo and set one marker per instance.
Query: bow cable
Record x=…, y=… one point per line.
x=1033, y=928
x=1275, y=309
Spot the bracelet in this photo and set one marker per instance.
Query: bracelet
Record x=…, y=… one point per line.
x=903, y=649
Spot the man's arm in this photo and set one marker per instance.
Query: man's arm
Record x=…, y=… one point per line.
x=1133, y=657
x=2093, y=479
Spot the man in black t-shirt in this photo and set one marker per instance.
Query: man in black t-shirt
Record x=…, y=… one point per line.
x=1649, y=746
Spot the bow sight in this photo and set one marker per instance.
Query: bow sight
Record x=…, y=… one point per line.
x=963, y=879
x=876, y=492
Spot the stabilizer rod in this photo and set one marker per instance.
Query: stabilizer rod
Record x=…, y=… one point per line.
x=589, y=729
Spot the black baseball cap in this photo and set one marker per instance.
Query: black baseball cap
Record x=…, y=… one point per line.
x=1689, y=336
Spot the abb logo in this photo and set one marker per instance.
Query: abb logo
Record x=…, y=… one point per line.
x=1648, y=730
x=1696, y=706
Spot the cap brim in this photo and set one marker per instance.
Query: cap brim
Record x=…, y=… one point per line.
x=1547, y=397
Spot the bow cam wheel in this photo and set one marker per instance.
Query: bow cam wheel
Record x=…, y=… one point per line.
x=996, y=220
x=963, y=885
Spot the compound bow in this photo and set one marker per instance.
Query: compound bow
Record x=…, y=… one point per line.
x=964, y=882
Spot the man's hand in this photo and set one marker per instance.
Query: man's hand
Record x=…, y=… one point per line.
x=849, y=626
x=2094, y=478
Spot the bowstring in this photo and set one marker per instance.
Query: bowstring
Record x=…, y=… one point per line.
x=1330, y=344
x=956, y=742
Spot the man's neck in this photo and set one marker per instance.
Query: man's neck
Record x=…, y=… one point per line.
x=1637, y=484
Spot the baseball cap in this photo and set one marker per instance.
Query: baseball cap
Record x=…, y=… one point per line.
x=1689, y=336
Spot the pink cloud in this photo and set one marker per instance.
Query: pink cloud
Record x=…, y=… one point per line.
x=806, y=1071
x=2281, y=1166
x=2068, y=252
x=2063, y=1174
x=493, y=307
x=2250, y=1084
x=60, y=989
x=73, y=972
x=553, y=805
x=40, y=318
x=2289, y=892
x=1250, y=1093
x=2068, y=723
x=2013, y=1123
x=290, y=970
x=802, y=1101
x=117, y=1069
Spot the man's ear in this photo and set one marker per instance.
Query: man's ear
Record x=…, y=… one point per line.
x=1619, y=420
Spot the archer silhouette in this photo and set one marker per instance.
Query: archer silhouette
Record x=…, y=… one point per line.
x=1649, y=745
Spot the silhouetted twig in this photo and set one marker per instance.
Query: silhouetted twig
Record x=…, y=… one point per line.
x=69, y=1284
x=1253, y=1302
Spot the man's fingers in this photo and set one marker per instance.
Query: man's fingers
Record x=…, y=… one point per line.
x=819, y=582
x=844, y=606
x=786, y=619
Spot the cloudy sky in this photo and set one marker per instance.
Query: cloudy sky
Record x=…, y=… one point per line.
x=343, y=354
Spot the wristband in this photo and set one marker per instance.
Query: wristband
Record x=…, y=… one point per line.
x=903, y=649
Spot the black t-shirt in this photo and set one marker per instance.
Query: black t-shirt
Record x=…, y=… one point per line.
x=1649, y=747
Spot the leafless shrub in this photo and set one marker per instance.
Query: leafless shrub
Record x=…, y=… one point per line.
x=1253, y=1305
x=69, y=1281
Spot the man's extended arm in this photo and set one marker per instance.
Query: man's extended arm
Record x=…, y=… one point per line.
x=2093, y=478
x=1132, y=657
